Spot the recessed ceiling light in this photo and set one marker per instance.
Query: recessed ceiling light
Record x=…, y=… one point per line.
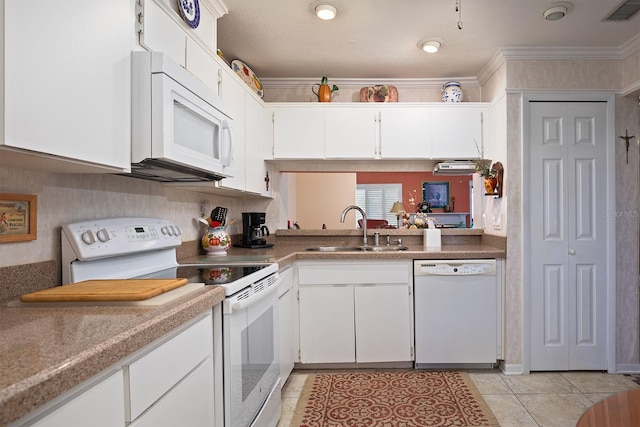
x=326, y=11
x=431, y=46
x=557, y=11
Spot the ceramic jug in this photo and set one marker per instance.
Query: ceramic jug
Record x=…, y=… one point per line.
x=451, y=92
x=324, y=91
x=216, y=241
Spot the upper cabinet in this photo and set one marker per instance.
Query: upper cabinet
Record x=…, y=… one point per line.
x=376, y=131
x=298, y=132
x=67, y=85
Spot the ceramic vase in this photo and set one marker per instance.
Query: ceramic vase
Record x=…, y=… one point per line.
x=216, y=241
x=490, y=184
x=451, y=92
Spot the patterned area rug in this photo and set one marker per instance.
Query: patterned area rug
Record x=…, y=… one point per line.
x=391, y=399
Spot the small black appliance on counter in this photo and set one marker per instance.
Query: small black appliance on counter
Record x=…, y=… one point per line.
x=254, y=231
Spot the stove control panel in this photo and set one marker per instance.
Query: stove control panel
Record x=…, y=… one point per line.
x=102, y=238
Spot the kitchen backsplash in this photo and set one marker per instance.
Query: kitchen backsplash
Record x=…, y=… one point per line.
x=64, y=198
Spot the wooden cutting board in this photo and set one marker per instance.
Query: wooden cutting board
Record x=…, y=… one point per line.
x=105, y=290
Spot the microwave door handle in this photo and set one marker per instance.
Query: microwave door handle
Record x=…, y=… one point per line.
x=226, y=161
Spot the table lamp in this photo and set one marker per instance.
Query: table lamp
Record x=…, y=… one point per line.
x=396, y=209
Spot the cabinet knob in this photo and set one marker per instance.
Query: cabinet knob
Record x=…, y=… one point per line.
x=572, y=251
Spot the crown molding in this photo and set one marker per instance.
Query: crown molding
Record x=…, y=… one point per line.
x=217, y=7
x=532, y=52
x=491, y=67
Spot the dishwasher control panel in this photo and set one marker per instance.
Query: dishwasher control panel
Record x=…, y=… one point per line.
x=484, y=267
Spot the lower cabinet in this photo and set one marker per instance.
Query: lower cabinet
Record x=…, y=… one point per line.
x=355, y=312
x=168, y=383
x=176, y=377
x=99, y=405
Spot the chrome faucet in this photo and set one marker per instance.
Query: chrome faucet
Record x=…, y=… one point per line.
x=364, y=221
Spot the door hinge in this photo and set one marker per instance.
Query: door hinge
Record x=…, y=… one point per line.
x=140, y=17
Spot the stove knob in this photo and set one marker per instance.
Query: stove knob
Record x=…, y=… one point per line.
x=178, y=231
x=172, y=230
x=103, y=235
x=165, y=230
x=88, y=237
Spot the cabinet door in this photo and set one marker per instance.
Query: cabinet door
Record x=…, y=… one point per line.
x=190, y=403
x=326, y=324
x=101, y=405
x=456, y=131
x=160, y=33
x=405, y=132
x=351, y=133
x=298, y=133
x=72, y=77
x=232, y=93
x=202, y=65
x=256, y=168
x=383, y=319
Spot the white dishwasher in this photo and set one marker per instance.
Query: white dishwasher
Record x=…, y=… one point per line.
x=457, y=313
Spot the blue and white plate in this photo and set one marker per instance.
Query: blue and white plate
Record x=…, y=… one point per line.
x=190, y=10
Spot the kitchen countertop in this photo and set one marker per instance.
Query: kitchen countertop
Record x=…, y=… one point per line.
x=46, y=351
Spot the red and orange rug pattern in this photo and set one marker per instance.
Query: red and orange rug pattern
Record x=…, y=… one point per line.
x=396, y=398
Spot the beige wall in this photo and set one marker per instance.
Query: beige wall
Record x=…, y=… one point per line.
x=321, y=198
x=585, y=76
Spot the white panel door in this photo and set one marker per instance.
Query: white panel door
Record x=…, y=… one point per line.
x=568, y=236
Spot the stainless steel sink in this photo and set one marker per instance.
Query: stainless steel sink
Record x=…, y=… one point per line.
x=356, y=248
x=383, y=248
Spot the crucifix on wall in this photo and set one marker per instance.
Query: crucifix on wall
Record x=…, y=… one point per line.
x=627, y=138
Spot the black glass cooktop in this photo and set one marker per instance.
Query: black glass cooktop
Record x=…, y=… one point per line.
x=208, y=274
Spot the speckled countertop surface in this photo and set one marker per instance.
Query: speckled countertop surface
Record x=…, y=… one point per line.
x=46, y=351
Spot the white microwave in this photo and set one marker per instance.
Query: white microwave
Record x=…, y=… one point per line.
x=180, y=132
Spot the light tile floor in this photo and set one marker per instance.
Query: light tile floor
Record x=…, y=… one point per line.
x=539, y=399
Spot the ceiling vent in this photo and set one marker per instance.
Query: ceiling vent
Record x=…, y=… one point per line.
x=625, y=11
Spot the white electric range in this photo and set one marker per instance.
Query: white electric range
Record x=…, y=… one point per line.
x=137, y=247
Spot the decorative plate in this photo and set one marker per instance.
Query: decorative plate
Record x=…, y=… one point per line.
x=247, y=76
x=190, y=11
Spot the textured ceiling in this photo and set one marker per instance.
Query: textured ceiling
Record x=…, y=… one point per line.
x=379, y=38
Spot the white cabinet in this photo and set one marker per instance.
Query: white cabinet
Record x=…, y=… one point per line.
x=297, y=132
x=170, y=382
x=383, y=131
x=257, y=169
x=456, y=131
x=287, y=311
x=355, y=312
x=159, y=31
x=67, y=85
x=101, y=404
x=152, y=385
x=351, y=133
x=232, y=93
x=405, y=132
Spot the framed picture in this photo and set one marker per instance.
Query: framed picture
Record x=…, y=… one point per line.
x=18, y=217
x=436, y=194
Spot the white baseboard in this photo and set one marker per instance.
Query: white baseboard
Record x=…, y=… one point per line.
x=511, y=369
x=628, y=368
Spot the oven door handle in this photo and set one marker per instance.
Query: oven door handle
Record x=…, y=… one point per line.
x=242, y=304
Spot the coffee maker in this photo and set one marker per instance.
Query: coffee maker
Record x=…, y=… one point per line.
x=254, y=230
